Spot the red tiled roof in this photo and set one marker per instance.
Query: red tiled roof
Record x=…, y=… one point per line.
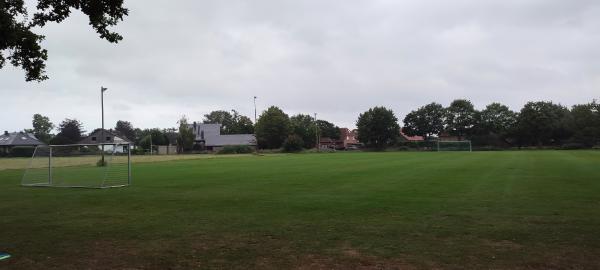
x=411, y=138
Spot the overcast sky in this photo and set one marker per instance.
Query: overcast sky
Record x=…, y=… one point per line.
x=335, y=58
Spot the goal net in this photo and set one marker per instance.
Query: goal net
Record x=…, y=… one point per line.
x=79, y=165
x=454, y=146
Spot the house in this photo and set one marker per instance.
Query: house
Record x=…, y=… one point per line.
x=107, y=137
x=209, y=137
x=10, y=140
x=349, y=138
x=405, y=138
x=329, y=143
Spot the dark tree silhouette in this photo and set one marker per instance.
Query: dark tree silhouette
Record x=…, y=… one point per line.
x=304, y=126
x=378, y=127
x=126, y=129
x=272, y=128
x=22, y=45
x=70, y=132
x=425, y=121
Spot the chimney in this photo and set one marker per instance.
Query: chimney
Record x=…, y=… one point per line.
x=6, y=132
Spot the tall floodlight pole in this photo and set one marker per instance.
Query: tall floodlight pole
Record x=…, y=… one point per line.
x=102, y=90
x=317, y=133
x=255, y=138
x=255, y=110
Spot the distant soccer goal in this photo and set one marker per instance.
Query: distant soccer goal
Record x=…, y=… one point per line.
x=454, y=146
x=79, y=165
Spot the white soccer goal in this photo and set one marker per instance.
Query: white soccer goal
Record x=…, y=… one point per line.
x=79, y=165
x=454, y=146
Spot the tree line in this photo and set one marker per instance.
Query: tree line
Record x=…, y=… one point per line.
x=539, y=124
x=70, y=131
x=274, y=129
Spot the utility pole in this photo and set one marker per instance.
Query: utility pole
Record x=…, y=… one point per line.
x=255, y=137
x=102, y=90
x=317, y=134
x=255, y=110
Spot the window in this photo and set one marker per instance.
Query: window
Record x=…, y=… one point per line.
x=108, y=138
x=94, y=139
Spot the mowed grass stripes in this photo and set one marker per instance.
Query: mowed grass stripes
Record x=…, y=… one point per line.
x=455, y=210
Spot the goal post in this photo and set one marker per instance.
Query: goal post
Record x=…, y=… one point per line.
x=454, y=146
x=79, y=165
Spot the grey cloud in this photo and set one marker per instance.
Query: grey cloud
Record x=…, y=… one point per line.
x=336, y=58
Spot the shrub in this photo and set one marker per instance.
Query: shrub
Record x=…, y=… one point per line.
x=573, y=146
x=22, y=151
x=293, y=143
x=270, y=151
x=101, y=163
x=138, y=151
x=417, y=145
x=236, y=149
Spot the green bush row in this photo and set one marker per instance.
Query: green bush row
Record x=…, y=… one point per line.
x=236, y=149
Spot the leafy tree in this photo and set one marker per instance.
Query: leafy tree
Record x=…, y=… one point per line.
x=494, y=126
x=153, y=136
x=70, y=132
x=158, y=137
x=126, y=129
x=425, y=121
x=230, y=123
x=293, y=143
x=24, y=46
x=42, y=127
x=304, y=126
x=460, y=117
x=586, y=123
x=378, y=127
x=220, y=117
x=171, y=134
x=185, y=140
x=496, y=118
x=328, y=129
x=241, y=124
x=146, y=142
x=543, y=123
x=272, y=128
x=139, y=134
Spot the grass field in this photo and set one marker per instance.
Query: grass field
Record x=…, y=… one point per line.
x=454, y=210
x=19, y=163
